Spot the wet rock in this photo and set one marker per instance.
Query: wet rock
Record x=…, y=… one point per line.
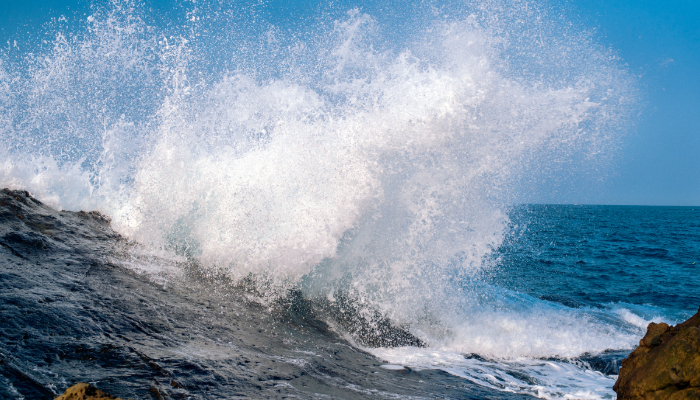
x=665, y=366
x=366, y=326
x=85, y=391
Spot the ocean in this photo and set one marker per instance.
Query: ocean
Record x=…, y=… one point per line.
x=571, y=290
x=329, y=205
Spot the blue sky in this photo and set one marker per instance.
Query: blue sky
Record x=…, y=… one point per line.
x=659, y=41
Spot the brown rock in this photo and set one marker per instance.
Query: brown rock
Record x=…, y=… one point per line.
x=85, y=391
x=665, y=366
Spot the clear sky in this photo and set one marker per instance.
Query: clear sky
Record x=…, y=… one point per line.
x=659, y=163
x=660, y=41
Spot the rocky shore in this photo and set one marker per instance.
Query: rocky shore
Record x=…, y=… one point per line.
x=665, y=366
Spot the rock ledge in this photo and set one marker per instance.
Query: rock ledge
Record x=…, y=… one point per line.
x=665, y=366
x=85, y=391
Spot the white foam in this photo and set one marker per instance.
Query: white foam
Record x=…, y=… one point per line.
x=516, y=343
x=407, y=148
x=393, y=367
x=639, y=316
x=540, y=378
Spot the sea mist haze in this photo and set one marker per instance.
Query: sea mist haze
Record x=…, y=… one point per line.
x=369, y=159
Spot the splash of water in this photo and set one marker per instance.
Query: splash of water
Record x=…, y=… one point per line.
x=340, y=162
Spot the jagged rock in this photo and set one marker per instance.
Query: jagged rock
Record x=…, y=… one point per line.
x=85, y=391
x=665, y=366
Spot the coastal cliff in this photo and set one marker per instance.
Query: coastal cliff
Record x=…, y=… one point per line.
x=665, y=366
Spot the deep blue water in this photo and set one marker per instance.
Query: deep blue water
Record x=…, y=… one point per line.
x=584, y=255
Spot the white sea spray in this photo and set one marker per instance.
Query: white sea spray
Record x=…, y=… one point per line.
x=344, y=163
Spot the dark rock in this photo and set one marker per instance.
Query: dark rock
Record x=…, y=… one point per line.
x=666, y=365
x=367, y=327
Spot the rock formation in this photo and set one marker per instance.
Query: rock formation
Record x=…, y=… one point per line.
x=85, y=391
x=665, y=366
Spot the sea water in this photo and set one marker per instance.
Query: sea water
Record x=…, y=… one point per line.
x=356, y=156
x=562, y=272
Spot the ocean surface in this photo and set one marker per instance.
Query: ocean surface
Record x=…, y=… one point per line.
x=598, y=256
x=324, y=205
x=562, y=267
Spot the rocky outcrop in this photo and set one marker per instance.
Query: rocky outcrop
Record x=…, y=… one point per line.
x=665, y=366
x=85, y=391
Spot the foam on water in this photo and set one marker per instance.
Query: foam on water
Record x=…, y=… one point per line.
x=513, y=342
x=348, y=163
x=541, y=378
